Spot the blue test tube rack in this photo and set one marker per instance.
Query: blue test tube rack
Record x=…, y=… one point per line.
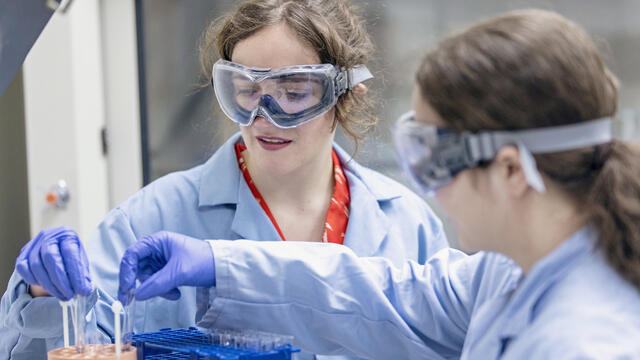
x=193, y=344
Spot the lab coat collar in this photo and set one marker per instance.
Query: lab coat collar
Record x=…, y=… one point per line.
x=519, y=310
x=249, y=220
x=220, y=177
x=380, y=190
x=221, y=187
x=367, y=227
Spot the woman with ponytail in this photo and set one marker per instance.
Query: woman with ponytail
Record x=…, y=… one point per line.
x=511, y=130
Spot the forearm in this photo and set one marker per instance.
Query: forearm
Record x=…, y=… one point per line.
x=335, y=302
x=31, y=326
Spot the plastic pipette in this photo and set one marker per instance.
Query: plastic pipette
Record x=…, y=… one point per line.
x=65, y=322
x=117, y=309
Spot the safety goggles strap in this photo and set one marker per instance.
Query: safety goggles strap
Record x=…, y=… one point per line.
x=349, y=78
x=484, y=146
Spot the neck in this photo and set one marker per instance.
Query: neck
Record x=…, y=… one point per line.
x=545, y=222
x=312, y=181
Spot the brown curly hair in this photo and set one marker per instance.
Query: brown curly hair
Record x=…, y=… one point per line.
x=332, y=27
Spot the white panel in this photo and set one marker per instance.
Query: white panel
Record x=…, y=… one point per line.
x=88, y=72
x=123, y=108
x=64, y=111
x=50, y=130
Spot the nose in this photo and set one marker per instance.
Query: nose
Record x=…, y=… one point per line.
x=261, y=122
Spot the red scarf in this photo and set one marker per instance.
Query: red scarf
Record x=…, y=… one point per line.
x=337, y=219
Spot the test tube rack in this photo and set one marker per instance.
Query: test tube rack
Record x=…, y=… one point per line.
x=193, y=344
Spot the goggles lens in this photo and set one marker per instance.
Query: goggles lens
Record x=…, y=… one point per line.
x=294, y=93
x=424, y=153
x=286, y=97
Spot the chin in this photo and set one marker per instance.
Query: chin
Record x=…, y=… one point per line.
x=470, y=243
x=276, y=164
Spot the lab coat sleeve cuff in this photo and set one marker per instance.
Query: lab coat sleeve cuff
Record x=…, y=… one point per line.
x=38, y=318
x=207, y=317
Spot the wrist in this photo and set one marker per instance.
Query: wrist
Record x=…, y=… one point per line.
x=37, y=291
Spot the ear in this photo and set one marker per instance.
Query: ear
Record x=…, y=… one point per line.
x=360, y=89
x=509, y=171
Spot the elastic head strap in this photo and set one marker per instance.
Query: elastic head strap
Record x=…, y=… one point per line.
x=485, y=146
x=349, y=78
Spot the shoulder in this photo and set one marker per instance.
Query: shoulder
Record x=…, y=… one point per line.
x=590, y=313
x=173, y=196
x=397, y=200
x=410, y=219
x=574, y=334
x=175, y=189
x=182, y=189
x=594, y=287
x=385, y=189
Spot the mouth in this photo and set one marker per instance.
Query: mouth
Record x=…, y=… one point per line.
x=272, y=140
x=272, y=143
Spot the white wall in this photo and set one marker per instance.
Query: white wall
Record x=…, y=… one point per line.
x=64, y=113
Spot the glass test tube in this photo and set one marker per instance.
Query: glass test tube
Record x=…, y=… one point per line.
x=78, y=317
x=129, y=320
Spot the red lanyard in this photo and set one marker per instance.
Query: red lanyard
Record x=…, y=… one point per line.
x=337, y=219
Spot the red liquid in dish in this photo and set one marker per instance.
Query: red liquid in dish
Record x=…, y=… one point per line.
x=91, y=352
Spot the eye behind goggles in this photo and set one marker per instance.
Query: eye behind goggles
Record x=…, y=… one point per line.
x=287, y=97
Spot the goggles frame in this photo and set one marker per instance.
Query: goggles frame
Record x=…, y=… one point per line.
x=336, y=81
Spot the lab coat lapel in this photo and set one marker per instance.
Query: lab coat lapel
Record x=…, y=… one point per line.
x=222, y=183
x=368, y=225
x=250, y=221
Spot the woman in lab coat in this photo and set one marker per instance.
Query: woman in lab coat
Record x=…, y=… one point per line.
x=511, y=129
x=288, y=74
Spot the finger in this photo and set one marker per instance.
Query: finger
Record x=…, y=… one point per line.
x=74, y=259
x=173, y=294
x=145, y=273
x=54, y=266
x=134, y=255
x=85, y=265
x=22, y=262
x=40, y=274
x=127, y=276
x=158, y=284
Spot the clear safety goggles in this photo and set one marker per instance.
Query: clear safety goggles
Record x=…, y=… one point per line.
x=431, y=157
x=287, y=97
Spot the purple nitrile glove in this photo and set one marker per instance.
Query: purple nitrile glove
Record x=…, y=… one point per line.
x=163, y=262
x=55, y=260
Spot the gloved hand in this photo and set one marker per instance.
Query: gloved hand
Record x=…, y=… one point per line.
x=162, y=262
x=55, y=260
